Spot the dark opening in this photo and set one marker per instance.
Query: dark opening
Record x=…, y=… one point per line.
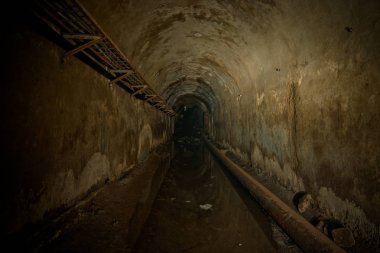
x=190, y=122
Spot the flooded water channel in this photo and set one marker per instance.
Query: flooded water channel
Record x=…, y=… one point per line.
x=201, y=208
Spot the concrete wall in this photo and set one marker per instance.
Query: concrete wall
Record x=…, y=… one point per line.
x=310, y=114
x=293, y=86
x=65, y=130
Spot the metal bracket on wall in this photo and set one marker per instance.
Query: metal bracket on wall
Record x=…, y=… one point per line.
x=73, y=23
x=127, y=73
x=139, y=89
x=150, y=97
x=80, y=48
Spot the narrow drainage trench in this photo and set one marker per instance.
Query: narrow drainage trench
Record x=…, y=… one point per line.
x=199, y=210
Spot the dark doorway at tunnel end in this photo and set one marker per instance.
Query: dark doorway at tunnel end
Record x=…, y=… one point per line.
x=189, y=124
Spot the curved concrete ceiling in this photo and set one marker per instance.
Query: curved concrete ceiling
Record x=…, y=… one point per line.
x=190, y=101
x=201, y=48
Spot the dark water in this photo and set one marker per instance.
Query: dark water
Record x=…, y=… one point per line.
x=228, y=222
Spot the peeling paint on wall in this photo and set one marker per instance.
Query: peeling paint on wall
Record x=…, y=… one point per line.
x=285, y=175
x=259, y=99
x=62, y=189
x=323, y=133
x=67, y=131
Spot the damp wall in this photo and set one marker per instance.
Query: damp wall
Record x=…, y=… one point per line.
x=309, y=115
x=292, y=86
x=65, y=131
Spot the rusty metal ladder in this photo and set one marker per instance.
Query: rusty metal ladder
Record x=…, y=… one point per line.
x=71, y=21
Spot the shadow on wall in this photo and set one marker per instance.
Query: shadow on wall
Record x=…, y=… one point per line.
x=145, y=142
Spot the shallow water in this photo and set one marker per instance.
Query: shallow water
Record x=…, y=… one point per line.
x=201, y=208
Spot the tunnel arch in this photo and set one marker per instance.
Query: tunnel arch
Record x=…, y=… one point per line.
x=269, y=59
x=291, y=85
x=190, y=100
x=205, y=71
x=197, y=89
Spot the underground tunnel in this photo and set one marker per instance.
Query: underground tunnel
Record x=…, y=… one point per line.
x=191, y=126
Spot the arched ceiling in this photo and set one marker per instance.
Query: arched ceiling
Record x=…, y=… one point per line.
x=200, y=48
x=191, y=100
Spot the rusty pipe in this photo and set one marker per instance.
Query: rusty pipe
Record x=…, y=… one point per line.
x=307, y=237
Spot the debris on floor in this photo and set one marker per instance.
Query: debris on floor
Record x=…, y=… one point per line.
x=189, y=140
x=335, y=230
x=203, y=219
x=205, y=206
x=343, y=237
x=302, y=201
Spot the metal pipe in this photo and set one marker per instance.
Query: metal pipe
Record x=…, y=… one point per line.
x=307, y=237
